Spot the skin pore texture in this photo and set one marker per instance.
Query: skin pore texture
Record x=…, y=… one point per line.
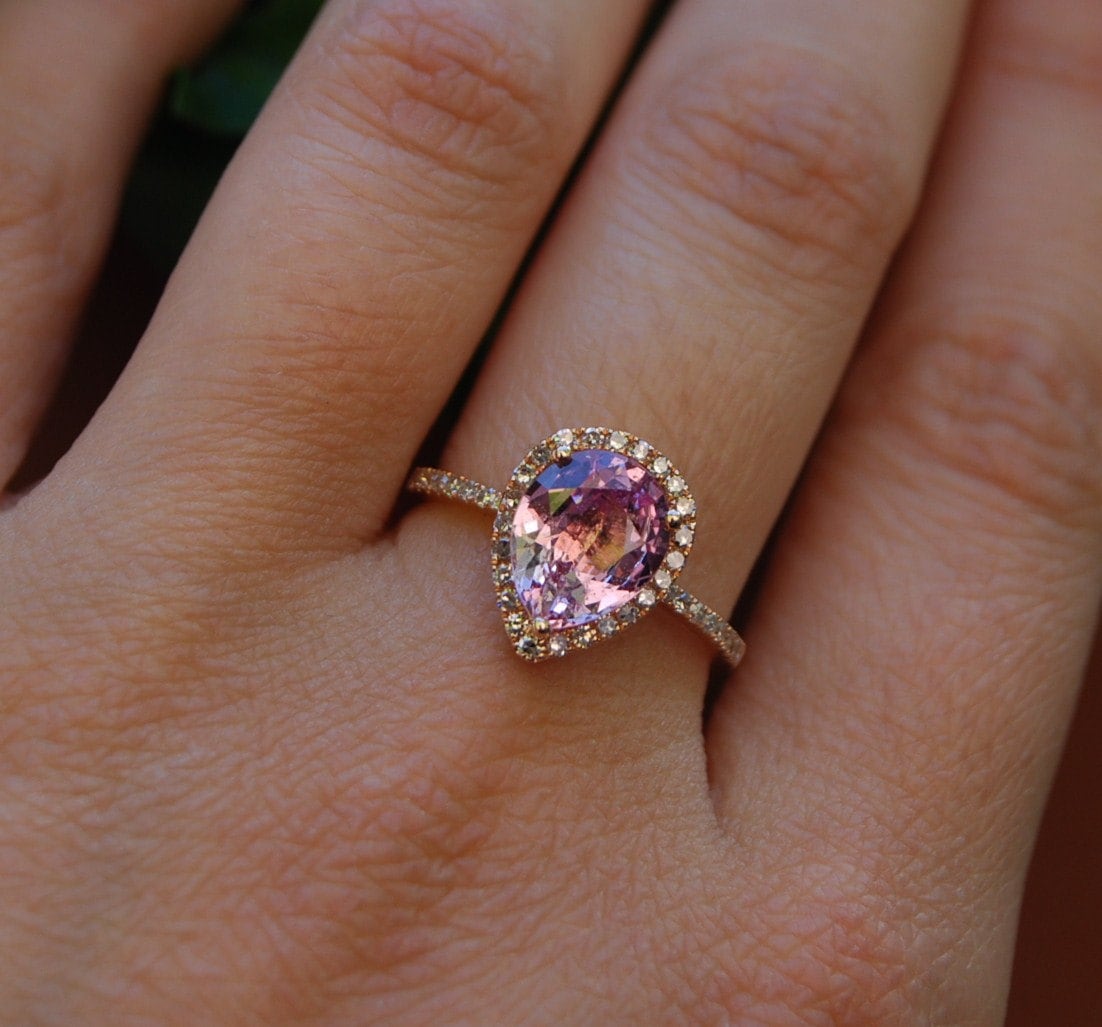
x=265, y=753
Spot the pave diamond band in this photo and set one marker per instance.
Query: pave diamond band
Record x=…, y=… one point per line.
x=590, y=534
x=429, y=481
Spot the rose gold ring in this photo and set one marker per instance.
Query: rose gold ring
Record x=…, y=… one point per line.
x=591, y=534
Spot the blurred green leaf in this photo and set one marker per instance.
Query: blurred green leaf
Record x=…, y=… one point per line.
x=224, y=92
x=169, y=187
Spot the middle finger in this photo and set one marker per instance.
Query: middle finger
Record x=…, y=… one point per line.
x=348, y=265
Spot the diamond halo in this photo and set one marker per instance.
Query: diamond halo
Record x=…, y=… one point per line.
x=532, y=636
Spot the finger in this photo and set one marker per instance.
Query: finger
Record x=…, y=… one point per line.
x=926, y=623
x=77, y=84
x=709, y=274
x=351, y=260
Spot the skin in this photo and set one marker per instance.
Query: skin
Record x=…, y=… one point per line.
x=265, y=754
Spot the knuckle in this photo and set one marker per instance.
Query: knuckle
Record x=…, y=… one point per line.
x=469, y=88
x=1038, y=48
x=34, y=199
x=826, y=953
x=1015, y=403
x=407, y=838
x=788, y=157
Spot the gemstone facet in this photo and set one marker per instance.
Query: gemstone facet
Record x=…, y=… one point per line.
x=587, y=537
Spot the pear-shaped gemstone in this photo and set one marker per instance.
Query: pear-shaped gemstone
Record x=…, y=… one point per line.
x=587, y=536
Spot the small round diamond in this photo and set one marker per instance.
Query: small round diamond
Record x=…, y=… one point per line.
x=514, y=623
x=661, y=465
x=628, y=614
x=675, y=485
x=618, y=440
x=607, y=627
x=684, y=536
x=686, y=506
x=641, y=450
x=528, y=647
x=647, y=598
x=564, y=442
x=558, y=646
x=663, y=578
x=585, y=638
x=675, y=560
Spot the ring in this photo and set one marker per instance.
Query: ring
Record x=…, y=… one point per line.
x=591, y=534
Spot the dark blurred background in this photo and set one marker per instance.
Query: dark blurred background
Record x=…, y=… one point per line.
x=206, y=111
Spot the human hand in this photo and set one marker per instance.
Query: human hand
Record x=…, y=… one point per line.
x=267, y=756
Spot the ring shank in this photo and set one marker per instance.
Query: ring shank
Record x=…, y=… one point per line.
x=431, y=481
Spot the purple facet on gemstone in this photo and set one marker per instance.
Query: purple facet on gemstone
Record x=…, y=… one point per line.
x=587, y=536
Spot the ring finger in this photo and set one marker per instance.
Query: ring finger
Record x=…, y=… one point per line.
x=705, y=283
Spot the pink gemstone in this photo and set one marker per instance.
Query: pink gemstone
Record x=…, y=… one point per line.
x=587, y=536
